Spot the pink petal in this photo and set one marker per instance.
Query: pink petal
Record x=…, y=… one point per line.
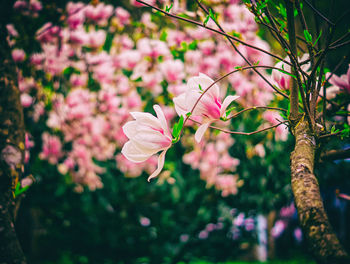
x=180, y=105
x=204, y=81
x=337, y=81
x=129, y=129
x=146, y=119
x=132, y=153
x=161, y=160
x=162, y=119
x=200, y=131
x=228, y=100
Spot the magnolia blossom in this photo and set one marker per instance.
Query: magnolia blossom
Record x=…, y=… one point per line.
x=147, y=136
x=343, y=82
x=281, y=79
x=209, y=106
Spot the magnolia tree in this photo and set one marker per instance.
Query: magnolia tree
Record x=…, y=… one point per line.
x=97, y=76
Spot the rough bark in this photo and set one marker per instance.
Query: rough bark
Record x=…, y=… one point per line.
x=11, y=153
x=322, y=240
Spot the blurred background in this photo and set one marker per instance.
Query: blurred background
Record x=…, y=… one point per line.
x=83, y=66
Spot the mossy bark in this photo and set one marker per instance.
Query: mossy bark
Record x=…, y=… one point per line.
x=321, y=238
x=11, y=153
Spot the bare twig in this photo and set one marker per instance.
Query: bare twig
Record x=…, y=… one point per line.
x=255, y=108
x=243, y=133
x=319, y=13
x=335, y=154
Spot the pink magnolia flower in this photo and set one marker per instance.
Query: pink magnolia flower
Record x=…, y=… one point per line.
x=210, y=106
x=173, y=70
x=147, y=136
x=343, y=82
x=26, y=100
x=281, y=79
x=18, y=55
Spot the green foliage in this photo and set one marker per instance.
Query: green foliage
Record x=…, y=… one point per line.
x=177, y=129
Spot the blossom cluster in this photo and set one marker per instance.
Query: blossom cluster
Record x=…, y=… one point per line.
x=100, y=65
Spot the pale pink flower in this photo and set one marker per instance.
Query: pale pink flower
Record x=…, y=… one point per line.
x=281, y=79
x=144, y=221
x=20, y=4
x=26, y=100
x=99, y=13
x=27, y=181
x=343, y=82
x=273, y=117
x=18, y=55
x=35, y=5
x=128, y=59
x=96, y=38
x=123, y=15
x=153, y=48
x=78, y=79
x=11, y=30
x=278, y=228
x=147, y=136
x=135, y=3
x=52, y=148
x=173, y=71
x=210, y=106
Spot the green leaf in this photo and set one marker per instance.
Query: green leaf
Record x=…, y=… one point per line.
x=307, y=36
x=212, y=15
x=333, y=130
x=177, y=128
x=282, y=10
x=20, y=190
x=206, y=20
x=193, y=45
x=317, y=38
x=163, y=35
x=188, y=114
x=228, y=111
x=167, y=9
x=200, y=87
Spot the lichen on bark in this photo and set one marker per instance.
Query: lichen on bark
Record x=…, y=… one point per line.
x=321, y=238
x=11, y=152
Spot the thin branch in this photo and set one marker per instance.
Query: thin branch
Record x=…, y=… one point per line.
x=242, y=133
x=223, y=77
x=340, y=39
x=255, y=108
x=340, y=45
x=319, y=13
x=335, y=154
x=329, y=135
x=237, y=50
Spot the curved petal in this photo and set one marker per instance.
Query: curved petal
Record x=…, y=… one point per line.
x=162, y=119
x=338, y=81
x=200, y=131
x=228, y=100
x=204, y=81
x=146, y=119
x=130, y=129
x=132, y=153
x=180, y=105
x=161, y=160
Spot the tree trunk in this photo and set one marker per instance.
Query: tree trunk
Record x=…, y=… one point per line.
x=321, y=238
x=11, y=152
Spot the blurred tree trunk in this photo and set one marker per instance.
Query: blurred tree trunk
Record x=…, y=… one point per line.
x=320, y=236
x=271, y=217
x=11, y=148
